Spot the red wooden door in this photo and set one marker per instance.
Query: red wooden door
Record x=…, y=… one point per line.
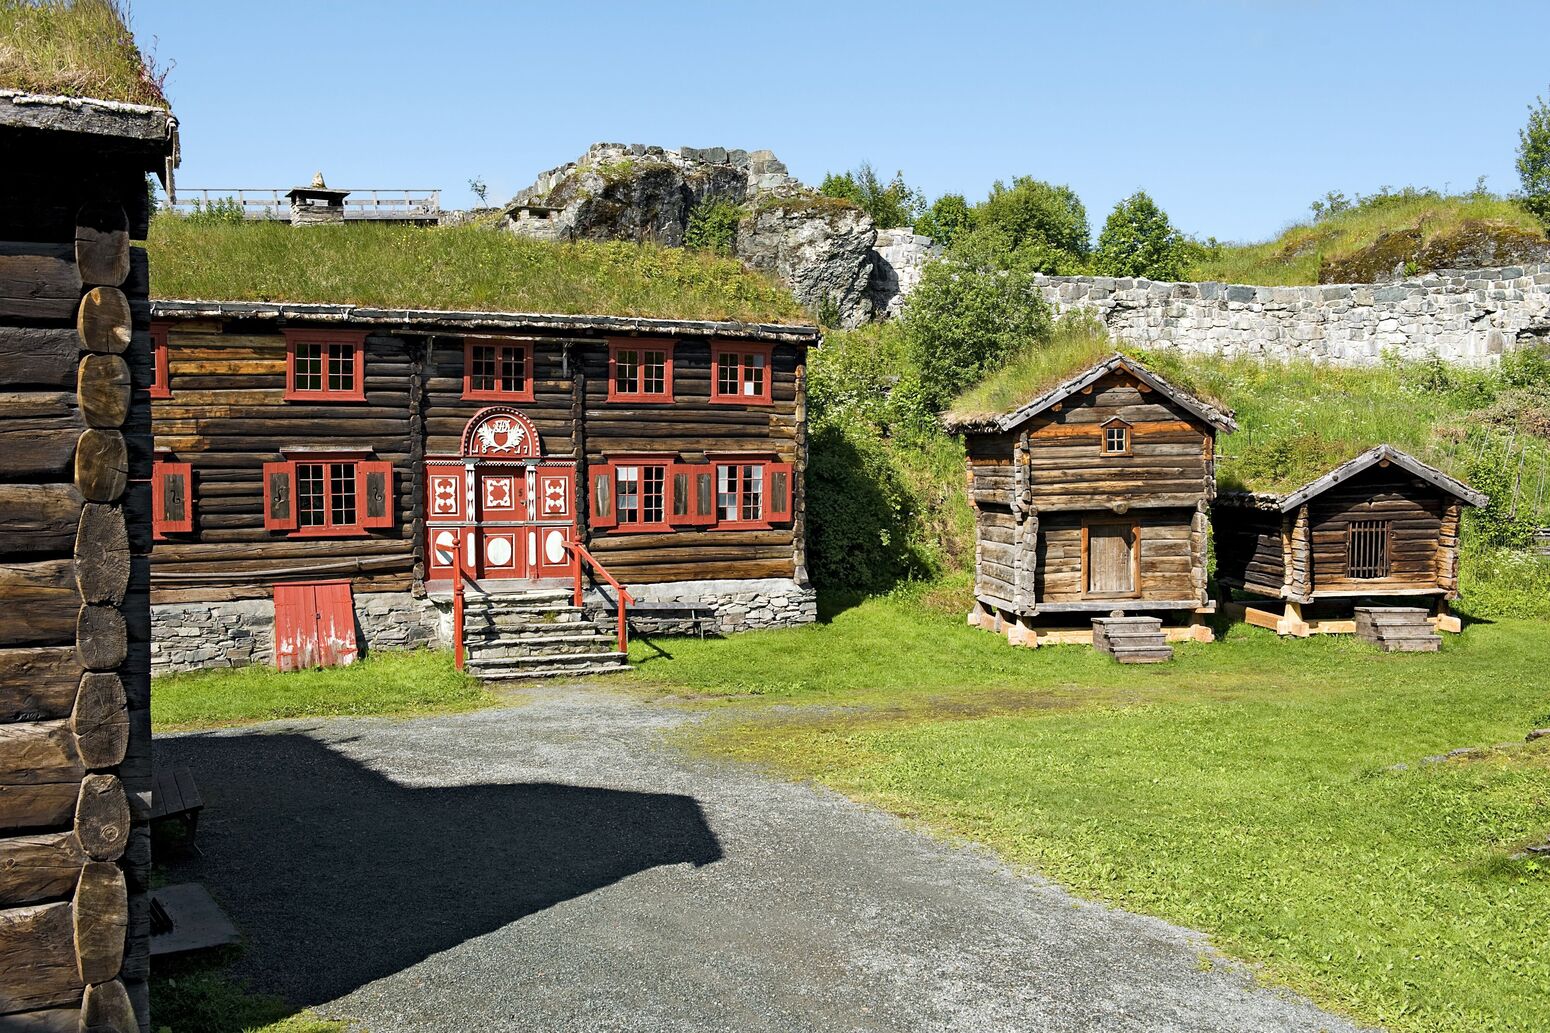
x=314, y=625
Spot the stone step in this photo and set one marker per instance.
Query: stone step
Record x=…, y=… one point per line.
x=1118, y=623
x=567, y=645
x=504, y=668
x=1154, y=655
x=1119, y=638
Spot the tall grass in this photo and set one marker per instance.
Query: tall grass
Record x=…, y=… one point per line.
x=1293, y=257
x=463, y=267
x=78, y=48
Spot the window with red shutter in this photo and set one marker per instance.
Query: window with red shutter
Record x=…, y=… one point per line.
x=376, y=487
x=604, y=514
x=172, y=501
x=325, y=366
x=778, y=481
x=327, y=495
x=642, y=492
x=279, y=496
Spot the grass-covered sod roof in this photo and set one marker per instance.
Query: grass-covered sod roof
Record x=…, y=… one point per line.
x=460, y=268
x=73, y=48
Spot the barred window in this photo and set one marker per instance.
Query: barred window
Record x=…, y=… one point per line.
x=1367, y=556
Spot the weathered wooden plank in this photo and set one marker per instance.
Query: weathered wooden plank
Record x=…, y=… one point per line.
x=35, y=752
x=41, y=683
x=102, y=554
x=103, y=385
x=101, y=465
x=37, y=957
x=41, y=602
x=49, y=1020
x=102, y=816
x=38, y=281
x=39, y=518
x=100, y=720
x=101, y=639
x=100, y=915
x=102, y=244
x=107, y=1008
x=38, y=357
x=39, y=867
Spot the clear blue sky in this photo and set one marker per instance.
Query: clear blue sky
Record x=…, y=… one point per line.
x=1232, y=115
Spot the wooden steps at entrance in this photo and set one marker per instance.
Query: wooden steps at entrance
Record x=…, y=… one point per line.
x=1132, y=640
x=535, y=634
x=1397, y=629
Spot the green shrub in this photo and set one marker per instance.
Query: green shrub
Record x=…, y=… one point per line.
x=1534, y=160
x=965, y=317
x=948, y=218
x=1046, y=224
x=1138, y=240
x=890, y=204
x=861, y=515
x=713, y=226
x=220, y=211
x=1502, y=584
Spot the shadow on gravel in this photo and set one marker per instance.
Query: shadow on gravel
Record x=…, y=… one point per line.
x=338, y=876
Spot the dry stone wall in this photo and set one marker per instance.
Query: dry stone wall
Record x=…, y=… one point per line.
x=1468, y=316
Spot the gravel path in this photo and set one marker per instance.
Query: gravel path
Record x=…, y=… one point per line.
x=555, y=866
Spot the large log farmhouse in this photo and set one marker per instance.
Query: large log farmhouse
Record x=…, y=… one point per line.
x=322, y=469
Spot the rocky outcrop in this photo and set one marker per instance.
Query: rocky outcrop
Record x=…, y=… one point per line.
x=1476, y=244
x=899, y=258
x=822, y=248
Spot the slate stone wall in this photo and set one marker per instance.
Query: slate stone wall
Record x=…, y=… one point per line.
x=1469, y=316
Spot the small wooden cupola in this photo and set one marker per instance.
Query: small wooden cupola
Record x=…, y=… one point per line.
x=316, y=205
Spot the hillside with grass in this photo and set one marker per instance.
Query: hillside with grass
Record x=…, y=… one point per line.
x=1413, y=231
x=456, y=267
x=75, y=48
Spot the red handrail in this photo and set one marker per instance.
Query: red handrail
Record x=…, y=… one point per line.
x=578, y=553
x=459, y=572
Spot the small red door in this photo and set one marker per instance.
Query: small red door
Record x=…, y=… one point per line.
x=314, y=625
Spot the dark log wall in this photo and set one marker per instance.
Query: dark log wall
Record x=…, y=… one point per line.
x=993, y=477
x=692, y=428
x=447, y=412
x=1250, y=551
x=1415, y=511
x=74, y=542
x=228, y=416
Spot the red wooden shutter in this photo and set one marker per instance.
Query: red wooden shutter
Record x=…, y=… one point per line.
x=777, y=504
x=680, y=511
x=374, y=481
x=172, y=507
x=280, y=496
x=703, y=511
x=604, y=515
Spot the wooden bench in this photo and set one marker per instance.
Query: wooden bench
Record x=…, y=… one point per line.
x=174, y=796
x=697, y=617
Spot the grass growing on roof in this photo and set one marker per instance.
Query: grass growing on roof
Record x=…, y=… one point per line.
x=75, y=48
x=1293, y=257
x=384, y=683
x=1274, y=793
x=462, y=267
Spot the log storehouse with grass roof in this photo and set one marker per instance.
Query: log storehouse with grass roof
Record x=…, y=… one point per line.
x=81, y=126
x=1091, y=504
x=1381, y=528
x=334, y=477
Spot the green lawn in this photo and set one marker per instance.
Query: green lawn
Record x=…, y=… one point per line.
x=420, y=682
x=195, y=996
x=1273, y=793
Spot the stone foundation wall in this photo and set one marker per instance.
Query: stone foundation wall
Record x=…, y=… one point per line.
x=1468, y=316
x=734, y=605
x=190, y=636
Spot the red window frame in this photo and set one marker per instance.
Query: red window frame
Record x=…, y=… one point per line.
x=659, y=467
x=344, y=514
x=501, y=346
x=329, y=340
x=161, y=377
x=615, y=347
x=739, y=354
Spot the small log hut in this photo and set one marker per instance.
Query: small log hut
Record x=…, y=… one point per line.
x=1382, y=526
x=75, y=531
x=356, y=450
x=1091, y=500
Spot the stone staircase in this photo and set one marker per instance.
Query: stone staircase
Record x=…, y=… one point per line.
x=536, y=634
x=1397, y=629
x=1132, y=640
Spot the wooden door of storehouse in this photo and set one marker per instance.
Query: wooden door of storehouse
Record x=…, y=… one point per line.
x=314, y=625
x=1111, y=560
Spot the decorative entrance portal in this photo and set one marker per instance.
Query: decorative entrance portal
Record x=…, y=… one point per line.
x=511, y=511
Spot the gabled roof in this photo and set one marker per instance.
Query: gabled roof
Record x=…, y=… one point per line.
x=1385, y=454
x=1221, y=420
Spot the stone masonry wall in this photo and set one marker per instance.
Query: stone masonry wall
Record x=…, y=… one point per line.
x=1468, y=316
x=189, y=636
x=737, y=605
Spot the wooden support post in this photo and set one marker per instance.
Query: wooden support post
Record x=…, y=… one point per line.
x=1444, y=620
x=1291, y=623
